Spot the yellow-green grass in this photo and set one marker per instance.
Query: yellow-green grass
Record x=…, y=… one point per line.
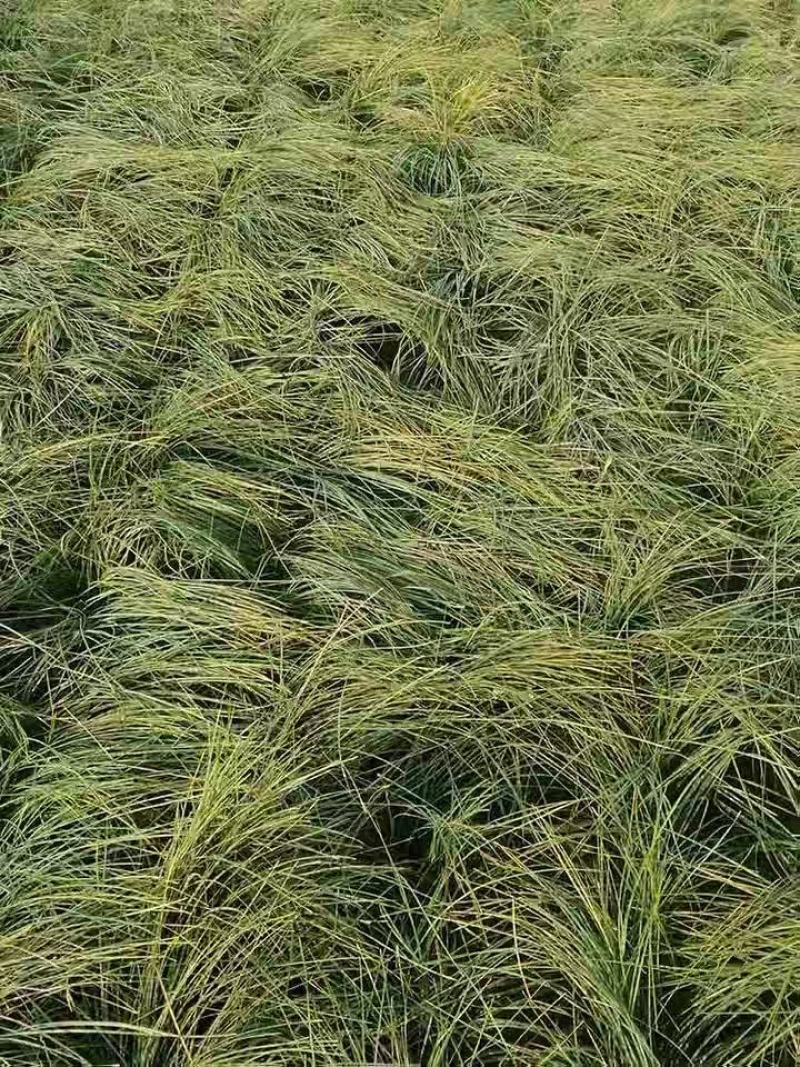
x=399, y=533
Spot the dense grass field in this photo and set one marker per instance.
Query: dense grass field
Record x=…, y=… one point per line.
x=399, y=533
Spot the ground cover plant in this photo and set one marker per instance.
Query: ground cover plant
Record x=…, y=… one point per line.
x=399, y=533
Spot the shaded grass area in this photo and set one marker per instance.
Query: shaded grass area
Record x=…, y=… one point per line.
x=399, y=533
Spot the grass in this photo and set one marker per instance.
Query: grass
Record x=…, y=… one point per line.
x=399, y=533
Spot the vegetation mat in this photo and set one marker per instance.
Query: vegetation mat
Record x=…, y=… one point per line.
x=399, y=533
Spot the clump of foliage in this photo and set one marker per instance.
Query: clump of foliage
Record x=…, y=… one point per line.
x=399, y=533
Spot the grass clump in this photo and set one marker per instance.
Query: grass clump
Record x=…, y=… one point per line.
x=399, y=533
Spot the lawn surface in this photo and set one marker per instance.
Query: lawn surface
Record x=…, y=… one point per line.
x=399, y=533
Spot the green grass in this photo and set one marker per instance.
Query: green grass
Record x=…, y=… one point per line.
x=399, y=533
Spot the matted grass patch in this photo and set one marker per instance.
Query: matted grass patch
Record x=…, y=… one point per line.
x=399, y=533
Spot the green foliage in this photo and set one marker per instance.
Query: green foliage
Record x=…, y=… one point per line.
x=399, y=533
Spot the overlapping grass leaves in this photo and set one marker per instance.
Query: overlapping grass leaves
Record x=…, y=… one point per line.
x=399, y=533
